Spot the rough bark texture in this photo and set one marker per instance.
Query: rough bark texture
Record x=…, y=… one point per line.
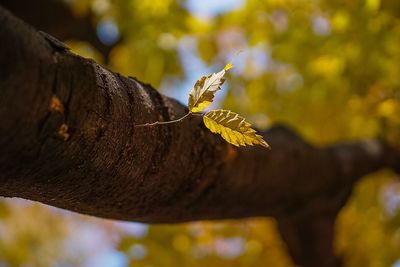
x=85, y=155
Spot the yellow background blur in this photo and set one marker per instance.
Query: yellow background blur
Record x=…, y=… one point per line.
x=328, y=68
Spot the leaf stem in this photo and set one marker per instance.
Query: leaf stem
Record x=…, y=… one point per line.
x=165, y=122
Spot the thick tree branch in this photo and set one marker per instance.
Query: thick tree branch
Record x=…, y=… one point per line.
x=67, y=139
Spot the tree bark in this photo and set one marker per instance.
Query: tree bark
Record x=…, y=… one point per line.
x=68, y=139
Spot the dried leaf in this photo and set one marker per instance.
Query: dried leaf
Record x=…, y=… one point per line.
x=233, y=128
x=202, y=94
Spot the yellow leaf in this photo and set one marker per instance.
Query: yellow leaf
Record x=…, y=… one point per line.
x=228, y=66
x=202, y=94
x=233, y=128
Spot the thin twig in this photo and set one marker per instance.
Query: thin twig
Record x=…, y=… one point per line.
x=164, y=122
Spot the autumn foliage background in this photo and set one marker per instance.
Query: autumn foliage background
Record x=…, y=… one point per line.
x=329, y=68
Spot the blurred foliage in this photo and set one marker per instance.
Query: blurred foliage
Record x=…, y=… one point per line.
x=329, y=68
x=242, y=243
x=368, y=232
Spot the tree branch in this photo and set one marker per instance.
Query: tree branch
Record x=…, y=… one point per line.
x=67, y=139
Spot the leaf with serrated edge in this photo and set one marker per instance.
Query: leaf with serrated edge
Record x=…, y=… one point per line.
x=233, y=128
x=202, y=94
